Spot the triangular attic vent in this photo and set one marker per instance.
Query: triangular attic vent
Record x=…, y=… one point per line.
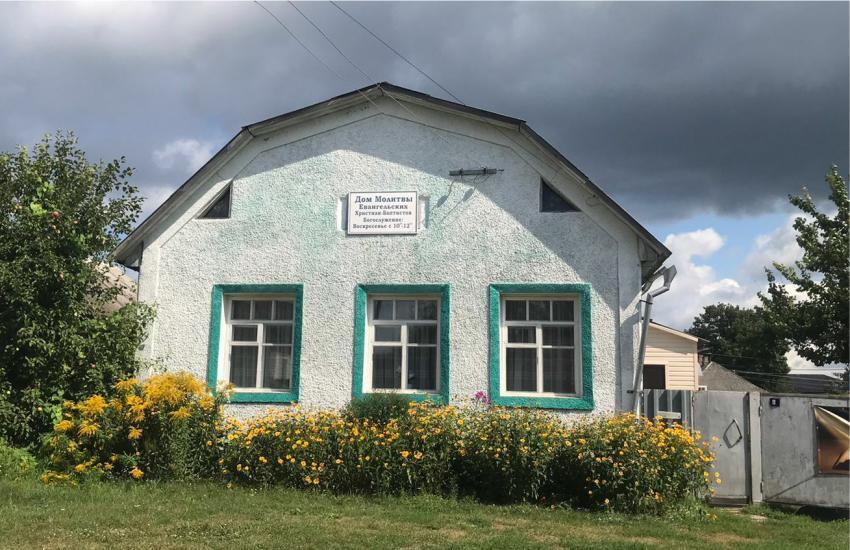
x=552, y=201
x=220, y=207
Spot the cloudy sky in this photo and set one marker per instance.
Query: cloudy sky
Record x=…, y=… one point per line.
x=699, y=118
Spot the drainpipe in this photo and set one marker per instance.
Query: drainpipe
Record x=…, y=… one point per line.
x=668, y=273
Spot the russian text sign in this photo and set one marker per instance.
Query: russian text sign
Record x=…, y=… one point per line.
x=383, y=213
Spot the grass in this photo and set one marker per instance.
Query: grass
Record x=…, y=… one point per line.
x=150, y=515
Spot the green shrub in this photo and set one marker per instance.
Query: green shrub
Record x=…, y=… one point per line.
x=630, y=464
x=163, y=428
x=15, y=463
x=326, y=450
x=170, y=427
x=379, y=408
x=61, y=217
x=505, y=456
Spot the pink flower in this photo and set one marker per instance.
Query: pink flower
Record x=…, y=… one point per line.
x=481, y=397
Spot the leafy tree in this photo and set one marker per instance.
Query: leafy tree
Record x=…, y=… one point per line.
x=743, y=339
x=60, y=216
x=815, y=319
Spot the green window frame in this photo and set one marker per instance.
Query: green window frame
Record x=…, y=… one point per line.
x=219, y=292
x=582, y=402
x=361, y=300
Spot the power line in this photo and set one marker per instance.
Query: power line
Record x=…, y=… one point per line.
x=557, y=167
x=302, y=44
x=389, y=47
x=364, y=73
x=331, y=42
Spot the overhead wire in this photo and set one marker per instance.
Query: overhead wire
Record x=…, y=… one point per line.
x=369, y=78
x=313, y=54
x=556, y=167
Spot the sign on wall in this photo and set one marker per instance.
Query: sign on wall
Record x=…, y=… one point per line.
x=383, y=213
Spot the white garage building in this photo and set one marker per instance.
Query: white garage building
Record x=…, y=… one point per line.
x=386, y=240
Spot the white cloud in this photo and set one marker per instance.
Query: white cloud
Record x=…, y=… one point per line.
x=780, y=245
x=696, y=285
x=189, y=154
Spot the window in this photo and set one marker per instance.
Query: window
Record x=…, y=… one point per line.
x=553, y=201
x=404, y=346
x=260, y=342
x=654, y=377
x=220, y=207
x=402, y=340
x=255, y=341
x=540, y=353
x=540, y=346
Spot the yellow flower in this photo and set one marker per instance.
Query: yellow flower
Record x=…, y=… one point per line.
x=417, y=455
x=405, y=454
x=87, y=428
x=135, y=433
x=137, y=473
x=80, y=468
x=209, y=443
x=126, y=385
x=93, y=405
x=263, y=459
x=180, y=413
x=64, y=426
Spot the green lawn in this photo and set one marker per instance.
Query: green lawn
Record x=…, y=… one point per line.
x=107, y=515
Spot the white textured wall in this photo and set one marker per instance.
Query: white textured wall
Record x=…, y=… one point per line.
x=285, y=228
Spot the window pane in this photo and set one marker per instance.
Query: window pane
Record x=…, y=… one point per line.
x=521, y=369
x=386, y=367
x=422, y=334
x=245, y=334
x=383, y=310
x=538, y=310
x=282, y=310
x=277, y=334
x=220, y=208
x=562, y=310
x=240, y=309
x=405, y=310
x=388, y=334
x=559, y=370
x=243, y=366
x=277, y=367
x=262, y=309
x=557, y=336
x=515, y=310
x=522, y=335
x=427, y=310
x=422, y=368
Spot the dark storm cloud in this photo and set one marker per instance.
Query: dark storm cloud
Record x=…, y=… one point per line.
x=673, y=108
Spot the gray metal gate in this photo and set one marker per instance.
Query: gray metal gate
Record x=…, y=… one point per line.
x=732, y=418
x=790, y=452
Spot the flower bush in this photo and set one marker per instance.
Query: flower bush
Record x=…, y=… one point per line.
x=505, y=455
x=327, y=450
x=171, y=427
x=378, y=407
x=631, y=464
x=159, y=429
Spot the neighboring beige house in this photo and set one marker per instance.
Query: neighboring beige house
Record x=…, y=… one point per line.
x=671, y=359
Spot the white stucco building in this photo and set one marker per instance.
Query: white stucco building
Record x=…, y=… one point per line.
x=490, y=263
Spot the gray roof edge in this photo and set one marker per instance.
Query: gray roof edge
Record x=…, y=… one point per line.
x=135, y=237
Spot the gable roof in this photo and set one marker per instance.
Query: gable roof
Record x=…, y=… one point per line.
x=674, y=332
x=652, y=248
x=717, y=377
